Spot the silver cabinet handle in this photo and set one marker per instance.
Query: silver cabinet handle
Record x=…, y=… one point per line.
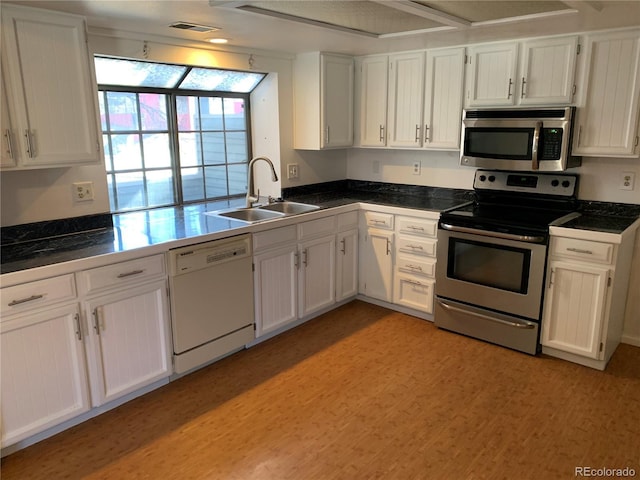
x=296, y=260
x=378, y=222
x=388, y=247
x=78, y=328
x=129, y=274
x=526, y=325
x=413, y=227
x=326, y=140
x=414, y=282
x=305, y=257
x=381, y=133
x=579, y=135
x=343, y=249
x=13, y=303
x=29, y=142
x=414, y=267
x=7, y=136
x=96, y=321
x=426, y=133
x=534, y=147
x=509, y=92
x=579, y=250
x=524, y=82
x=415, y=247
x=417, y=133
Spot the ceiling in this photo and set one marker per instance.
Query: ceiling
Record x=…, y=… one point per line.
x=347, y=26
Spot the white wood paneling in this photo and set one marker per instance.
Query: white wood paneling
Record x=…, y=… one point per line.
x=347, y=264
x=406, y=90
x=373, y=100
x=317, y=280
x=492, y=75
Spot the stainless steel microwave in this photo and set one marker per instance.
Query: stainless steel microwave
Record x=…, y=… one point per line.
x=525, y=139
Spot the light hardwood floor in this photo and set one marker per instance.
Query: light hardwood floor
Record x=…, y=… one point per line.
x=362, y=393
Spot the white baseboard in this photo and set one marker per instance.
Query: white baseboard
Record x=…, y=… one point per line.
x=631, y=340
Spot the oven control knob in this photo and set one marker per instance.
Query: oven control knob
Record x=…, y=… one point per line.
x=566, y=184
x=492, y=178
x=483, y=178
x=555, y=183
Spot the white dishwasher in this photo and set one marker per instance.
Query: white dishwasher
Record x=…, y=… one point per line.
x=211, y=300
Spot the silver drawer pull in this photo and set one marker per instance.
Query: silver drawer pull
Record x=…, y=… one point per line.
x=129, y=274
x=579, y=250
x=415, y=247
x=414, y=282
x=414, y=267
x=412, y=227
x=25, y=300
x=378, y=222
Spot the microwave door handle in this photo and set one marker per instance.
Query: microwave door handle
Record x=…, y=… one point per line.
x=534, y=148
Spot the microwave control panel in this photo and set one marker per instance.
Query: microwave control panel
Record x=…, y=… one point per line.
x=550, y=144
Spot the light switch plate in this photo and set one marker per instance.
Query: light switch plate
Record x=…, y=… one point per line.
x=292, y=170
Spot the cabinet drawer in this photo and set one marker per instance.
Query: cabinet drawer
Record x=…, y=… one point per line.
x=379, y=220
x=417, y=226
x=424, y=267
x=347, y=221
x=316, y=228
x=416, y=246
x=414, y=292
x=125, y=273
x=36, y=294
x=582, y=249
x=274, y=238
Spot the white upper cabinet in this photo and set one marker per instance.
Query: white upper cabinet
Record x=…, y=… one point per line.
x=8, y=154
x=406, y=87
x=50, y=84
x=544, y=77
x=492, y=73
x=323, y=101
x=373, y=74
x=548, y=68
x=607, y=120
x=444, y=83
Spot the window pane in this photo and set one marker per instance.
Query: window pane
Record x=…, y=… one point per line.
x=188, y=116
x=153, y=110
x=157, y=153
x=211, y=113
x=190, y=149
x=213, y=148
x=192, y=184
x=123, y=111
x=216, y=181
x=114, y=71
x=237, y=179
x=237, y=147
x=103, y=113
x=130, y=190
x=112, y=196
x=126, y=152
x=221, y=80
x=160, y=187
x=107, y=153
x=234, y=114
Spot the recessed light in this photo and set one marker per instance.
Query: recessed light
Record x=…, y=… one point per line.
x=217, y=40
x=194, y=27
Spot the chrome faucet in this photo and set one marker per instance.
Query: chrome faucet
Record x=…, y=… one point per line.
x=251, y=197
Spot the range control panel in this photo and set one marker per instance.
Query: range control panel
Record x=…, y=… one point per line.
x=539, y=183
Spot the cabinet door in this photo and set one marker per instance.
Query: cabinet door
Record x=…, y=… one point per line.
x=50, y=78
x=413, y=292
x=607, y=123
x=376, y=265
x=347, y=265
x=492, y=75
x=373, y=101
x=444, y=75
x=337, y=101
x=9, y=152
x=317, y=275
x=574, y=308
x=406, y=88
x=129, y=340
x=547, y=71
x=44, y=378
x=276, y=288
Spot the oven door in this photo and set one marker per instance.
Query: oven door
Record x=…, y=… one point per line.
x=492, y=270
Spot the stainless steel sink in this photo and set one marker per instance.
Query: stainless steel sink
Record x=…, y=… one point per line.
x=249, y=215
x=289, y=208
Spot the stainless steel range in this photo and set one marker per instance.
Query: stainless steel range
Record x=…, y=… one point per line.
x=492, y=256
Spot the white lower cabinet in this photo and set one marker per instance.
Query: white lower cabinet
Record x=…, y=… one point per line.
x=44, y=377
x=376, y=264
x=317, y=275
x=347, y=264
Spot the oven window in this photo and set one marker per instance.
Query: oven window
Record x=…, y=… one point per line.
x=509, y=143
x=496, y=266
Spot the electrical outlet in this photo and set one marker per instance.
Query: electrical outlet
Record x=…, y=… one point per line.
x=82, y=191
x=627, y=180
x=416, y=168
x=292, y=170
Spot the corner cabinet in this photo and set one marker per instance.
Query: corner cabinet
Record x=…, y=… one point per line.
x=323, y=101
x=376, y=256
x=48, y=75
x=587, y=284
x=607, y=120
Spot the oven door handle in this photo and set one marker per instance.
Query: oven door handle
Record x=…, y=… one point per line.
x=524, y=325
x=488, y=233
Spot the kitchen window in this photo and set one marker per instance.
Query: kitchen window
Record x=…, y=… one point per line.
x=173, y=134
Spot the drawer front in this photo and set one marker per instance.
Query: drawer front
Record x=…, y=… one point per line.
x=274, y=238
x=414, y=292
x=417, y=226
x=582, y=249
x=317, y=228
x=36, y=294
x=379, y=220
x=416, y=246
x=125, y=273
x=414, y=265
x=347, y=221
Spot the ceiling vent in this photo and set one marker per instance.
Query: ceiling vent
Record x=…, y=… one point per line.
x=194, y=27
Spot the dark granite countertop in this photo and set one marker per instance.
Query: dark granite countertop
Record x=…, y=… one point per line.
x=604, y=217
